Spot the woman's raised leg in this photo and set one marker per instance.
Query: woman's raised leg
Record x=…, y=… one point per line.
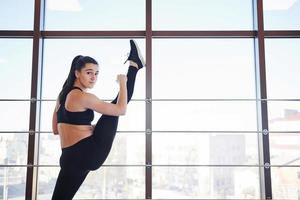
x=106, y=127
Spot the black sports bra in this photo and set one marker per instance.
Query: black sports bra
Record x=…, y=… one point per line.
x=77, y=118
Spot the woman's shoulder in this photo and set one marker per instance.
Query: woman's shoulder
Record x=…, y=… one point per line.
x=74, y=94
x=74, y=97
x=81, y=97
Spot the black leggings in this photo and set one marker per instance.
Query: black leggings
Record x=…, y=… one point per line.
x=89, y=153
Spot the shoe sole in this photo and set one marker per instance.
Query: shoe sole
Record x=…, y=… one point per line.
x=139, y=54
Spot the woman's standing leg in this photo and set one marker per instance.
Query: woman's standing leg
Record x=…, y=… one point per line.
x=74, y=163
x=73, y=170
x=67, y=184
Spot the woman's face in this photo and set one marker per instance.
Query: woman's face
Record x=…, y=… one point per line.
x=87, y=76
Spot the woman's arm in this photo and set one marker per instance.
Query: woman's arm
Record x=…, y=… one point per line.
x=54, y=119
x=122, y=97
x=92, y=102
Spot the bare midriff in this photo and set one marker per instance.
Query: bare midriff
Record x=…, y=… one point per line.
x=71, y=134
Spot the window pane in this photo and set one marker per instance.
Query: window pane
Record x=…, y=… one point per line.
x=46, y=182
x=11, y=119
x=15, y=67
x=110, y=54
x=12, y=183
x=127, y=149
x=209, y=116
x=282, y=67
x=13, y=148
x=47, y=108
x=108, y=182
x=281, y=15
x=16, y=15
x=204, y=149
x=202, y=15
x=284, y=116
x=284, y=148
x=205, y=183
x=135, y=118
x=95, y=15
x=49, y=156
x=285, y=182
x=203, y=68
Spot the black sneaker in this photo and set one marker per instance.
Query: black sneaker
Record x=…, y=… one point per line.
x=135, y=55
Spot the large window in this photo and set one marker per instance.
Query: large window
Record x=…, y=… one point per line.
x=217, y=103
x=128, y=148
x=188, y=69
x=15, y=77
x=282, y=65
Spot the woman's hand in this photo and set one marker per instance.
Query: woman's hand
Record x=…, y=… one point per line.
x=121, y=79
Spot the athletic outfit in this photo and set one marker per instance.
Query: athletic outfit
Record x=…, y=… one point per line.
x=89, y=153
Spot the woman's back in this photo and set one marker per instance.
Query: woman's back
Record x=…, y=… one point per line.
x=73, y=121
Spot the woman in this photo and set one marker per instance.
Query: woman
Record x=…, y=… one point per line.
x=84, y=147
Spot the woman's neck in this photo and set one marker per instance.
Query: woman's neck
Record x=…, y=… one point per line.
x=76, y=84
